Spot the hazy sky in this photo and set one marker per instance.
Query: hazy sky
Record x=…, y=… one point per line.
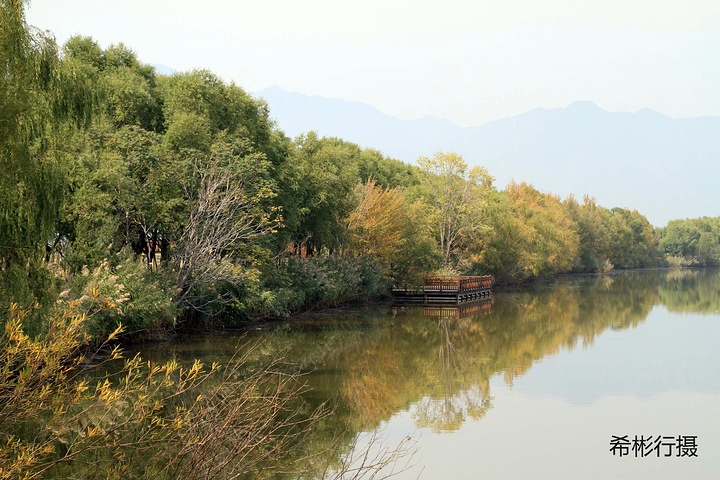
x=467, y=61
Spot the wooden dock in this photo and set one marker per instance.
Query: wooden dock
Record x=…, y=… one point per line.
x=438, y=289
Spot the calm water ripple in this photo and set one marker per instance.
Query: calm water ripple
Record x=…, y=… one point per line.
x=533, y=384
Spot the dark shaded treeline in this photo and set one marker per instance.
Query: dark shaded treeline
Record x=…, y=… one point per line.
x=176, y=197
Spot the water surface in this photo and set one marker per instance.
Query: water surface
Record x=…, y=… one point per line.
x=533, y=384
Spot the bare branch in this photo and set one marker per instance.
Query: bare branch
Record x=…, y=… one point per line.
x=226, y=215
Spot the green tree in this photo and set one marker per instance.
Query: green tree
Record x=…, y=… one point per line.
x=130, y=99
x=85, y=50
x=124, y=88
x=708, y=250
x=680, y=239
x=31, y=184
x=498, y=250
x=635, y=240
x=326, y=172
x=418, y=251
x=200, y=96
x=457, y=195
x=592, y=225
x=385, y=171
x=691, y=241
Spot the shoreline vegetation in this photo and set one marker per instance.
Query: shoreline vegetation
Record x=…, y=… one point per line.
x=178, y=199
x=134, y=203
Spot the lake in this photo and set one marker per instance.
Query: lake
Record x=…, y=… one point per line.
x=598, y=377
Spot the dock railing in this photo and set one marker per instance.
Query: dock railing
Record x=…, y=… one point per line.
x=475, y=283
x=442, y=283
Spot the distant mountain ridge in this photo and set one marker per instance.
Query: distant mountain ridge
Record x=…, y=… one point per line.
x=664, y=168
x=358, y=123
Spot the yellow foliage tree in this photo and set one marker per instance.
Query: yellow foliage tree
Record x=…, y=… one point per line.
x=551, y=241
x=387, y=226
x=375, y=226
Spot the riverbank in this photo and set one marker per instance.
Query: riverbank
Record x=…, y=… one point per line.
x=299, y=297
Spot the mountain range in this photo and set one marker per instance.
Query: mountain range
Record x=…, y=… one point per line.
x=662, y=167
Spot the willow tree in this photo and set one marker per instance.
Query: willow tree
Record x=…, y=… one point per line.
x=548, y=238
x=375, y=226
x=457, y=194
x=31, y=180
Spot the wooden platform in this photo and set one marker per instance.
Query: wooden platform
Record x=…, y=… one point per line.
x=446, y=290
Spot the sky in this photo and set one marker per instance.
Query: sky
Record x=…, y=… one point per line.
x=470, y=62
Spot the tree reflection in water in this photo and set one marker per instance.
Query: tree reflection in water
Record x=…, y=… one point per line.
x=374, y=362
x=447, y=410
x=439, y=361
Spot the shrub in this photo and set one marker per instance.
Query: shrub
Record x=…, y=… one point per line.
x=319, y=282
x=143, y=421
x=159, y=421
x=141, y=298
